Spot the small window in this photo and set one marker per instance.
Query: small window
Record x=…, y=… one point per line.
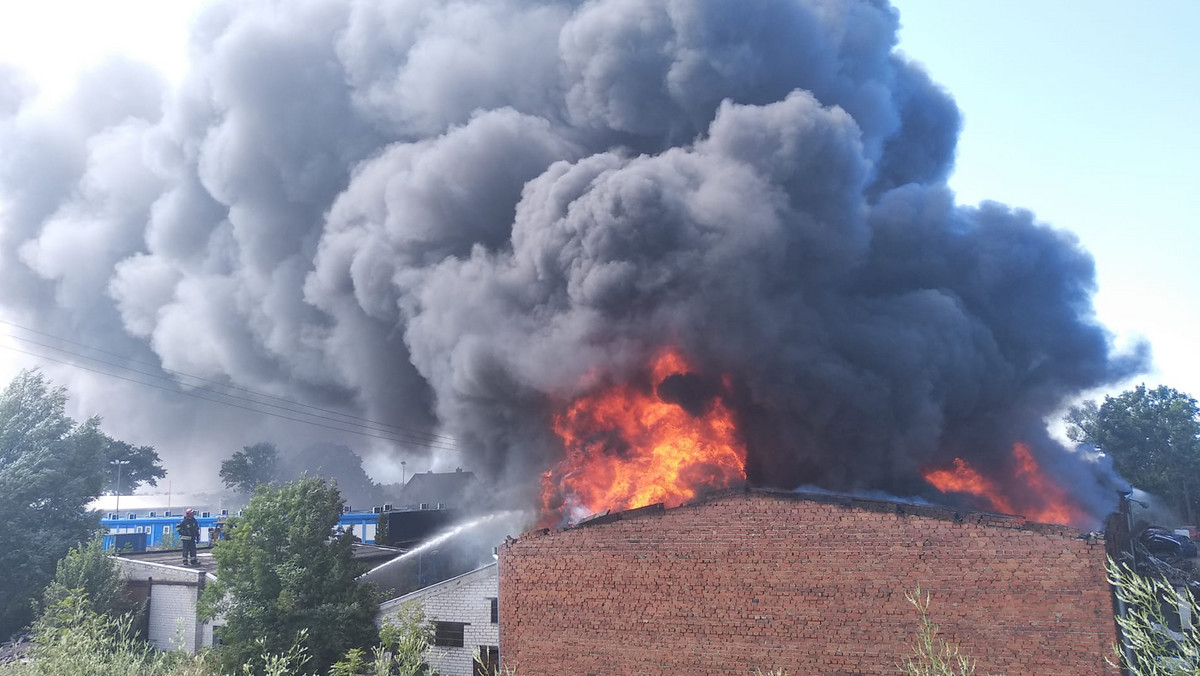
x=487, y=661
x=449, y=634
x=166, y=530
x=495, y=610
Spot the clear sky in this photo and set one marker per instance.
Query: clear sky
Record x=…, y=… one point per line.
x=1085, y=112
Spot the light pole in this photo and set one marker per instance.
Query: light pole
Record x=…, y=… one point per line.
x=118, y=463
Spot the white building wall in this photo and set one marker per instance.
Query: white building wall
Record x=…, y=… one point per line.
x=466, y=598
x=173, y=595
x=173, y=624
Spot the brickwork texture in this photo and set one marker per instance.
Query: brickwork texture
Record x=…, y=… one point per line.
x=172, y=623
x=757, y=579
x=466, y=598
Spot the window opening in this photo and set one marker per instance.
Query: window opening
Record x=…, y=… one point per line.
x=449, y=634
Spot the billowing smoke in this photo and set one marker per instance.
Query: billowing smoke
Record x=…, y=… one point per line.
x=452, y=215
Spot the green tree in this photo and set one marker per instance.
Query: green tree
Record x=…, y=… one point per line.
x=281, y=575
x=250, y=467
x=143, y=466
x=1153, y=438
x=332, y=462
x=89, y=572
x=50, y=468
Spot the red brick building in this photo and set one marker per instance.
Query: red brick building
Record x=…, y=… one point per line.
x=808, y=583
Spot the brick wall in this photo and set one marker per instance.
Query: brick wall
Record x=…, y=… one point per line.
x=812, y=585
x=466, y=598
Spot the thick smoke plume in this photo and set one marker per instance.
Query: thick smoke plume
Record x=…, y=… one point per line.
x=455, y=216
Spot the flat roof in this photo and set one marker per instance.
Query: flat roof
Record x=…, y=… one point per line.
x=174, y=557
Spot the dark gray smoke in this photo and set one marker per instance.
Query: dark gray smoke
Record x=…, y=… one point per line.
x=450, y=215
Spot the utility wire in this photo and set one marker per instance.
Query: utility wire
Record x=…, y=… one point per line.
x=441, y=438
x=224, y=394
x=425, y=444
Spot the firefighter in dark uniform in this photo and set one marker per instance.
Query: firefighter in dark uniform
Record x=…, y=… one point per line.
x=189, y=533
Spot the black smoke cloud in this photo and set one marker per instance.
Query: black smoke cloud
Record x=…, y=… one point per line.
x=451, y=215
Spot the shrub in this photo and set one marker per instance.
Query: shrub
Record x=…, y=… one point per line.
x=403, y=642
x=72, y=639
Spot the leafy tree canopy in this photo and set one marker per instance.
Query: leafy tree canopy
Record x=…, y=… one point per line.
x=250, y=467
x=51, y=467
x=1153, y=438
x=141, y=466
x=89, y=573
x=281, y=574
x=333, y=462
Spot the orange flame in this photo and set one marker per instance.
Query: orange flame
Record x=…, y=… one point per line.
x=1036, y=497
x=627, y=447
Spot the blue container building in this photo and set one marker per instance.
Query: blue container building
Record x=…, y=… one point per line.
x=148, y=530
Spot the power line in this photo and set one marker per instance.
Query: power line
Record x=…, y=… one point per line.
x=400, y=434
x=193, y=394
x=399, y=430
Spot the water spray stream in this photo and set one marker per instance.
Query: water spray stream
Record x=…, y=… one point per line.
x=448, y=534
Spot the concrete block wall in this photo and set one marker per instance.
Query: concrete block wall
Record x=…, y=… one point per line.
x=173, y=624
x=758, y=579
x=466, y=598
x=173, y=595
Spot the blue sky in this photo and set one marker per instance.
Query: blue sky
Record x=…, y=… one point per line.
x=1088, y=115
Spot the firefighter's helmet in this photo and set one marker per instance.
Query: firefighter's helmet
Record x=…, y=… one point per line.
x=190, y=512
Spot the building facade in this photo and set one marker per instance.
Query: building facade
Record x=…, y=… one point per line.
x=465, y=613
x=746, y=580
x=171, y=593
x=158, y=528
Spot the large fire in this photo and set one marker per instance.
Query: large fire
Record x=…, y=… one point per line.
x=1035, y=497
x=627, y=446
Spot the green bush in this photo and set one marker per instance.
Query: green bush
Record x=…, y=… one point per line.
x=72, y=639
x=403, y=642
x=89, y=574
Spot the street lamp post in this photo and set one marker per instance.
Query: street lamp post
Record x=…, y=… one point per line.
x=118, y=463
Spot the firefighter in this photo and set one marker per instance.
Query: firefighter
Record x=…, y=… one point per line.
x=189, y=532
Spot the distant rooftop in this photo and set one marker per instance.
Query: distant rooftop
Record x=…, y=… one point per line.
x=176, y=502
x=452, y=489
x=369, y=554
